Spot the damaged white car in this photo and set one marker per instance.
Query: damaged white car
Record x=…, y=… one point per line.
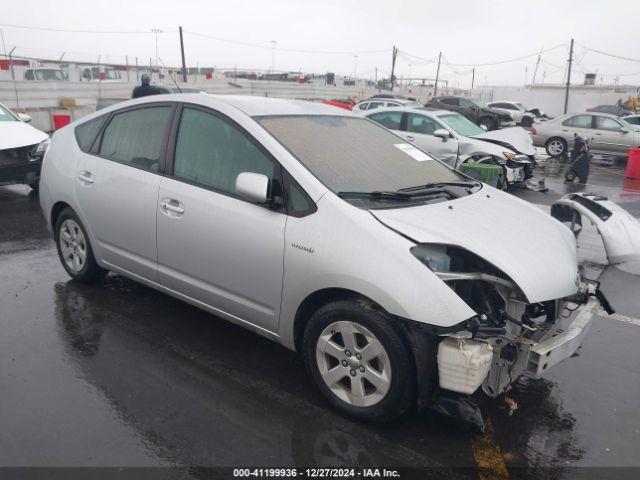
x=498, y=157
x=400, y=280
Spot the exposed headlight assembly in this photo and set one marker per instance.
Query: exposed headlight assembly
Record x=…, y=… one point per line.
x=40, y=149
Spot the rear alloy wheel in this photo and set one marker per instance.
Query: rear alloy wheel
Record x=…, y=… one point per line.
x=359, y=361
x=556, y=147
x=74, y=248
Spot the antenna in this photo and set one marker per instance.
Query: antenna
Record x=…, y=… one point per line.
x=174, y=80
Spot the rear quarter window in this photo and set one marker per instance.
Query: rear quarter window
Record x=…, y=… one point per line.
x=86, y=132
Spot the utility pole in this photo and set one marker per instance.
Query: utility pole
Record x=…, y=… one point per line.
x=435, y=90
x=535, y=71
x=526, y=70
x=376, y=76
x=184, y=65
x=566, y=93
x=126, y=60
x=273, y=54
x=137, y=71
x=394, y=54
x=355, y=71
x=473, y=77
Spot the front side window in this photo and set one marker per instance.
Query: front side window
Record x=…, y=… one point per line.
x=579, y=121
x=135, y=137
x=390, y=120
x=421, y=124
x=353, y=154
x=449, y=101
x=606, y=123
x=363, y=106
x=212, y=152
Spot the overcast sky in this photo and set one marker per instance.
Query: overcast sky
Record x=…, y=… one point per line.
x=468, y=32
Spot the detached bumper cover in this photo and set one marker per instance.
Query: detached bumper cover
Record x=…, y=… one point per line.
x=564, y=341
x=23, y=172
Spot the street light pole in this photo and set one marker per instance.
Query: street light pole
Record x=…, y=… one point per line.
x=156, y=31
x=273, y=55
x=355, y=71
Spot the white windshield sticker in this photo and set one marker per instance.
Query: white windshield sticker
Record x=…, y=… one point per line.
x=412, y=151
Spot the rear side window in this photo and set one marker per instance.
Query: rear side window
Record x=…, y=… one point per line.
x=449, y=101
x=579, y=121
x=135, y=137
x=374, y=105
x=86, y=132
x=212, y=152
x=390, y=120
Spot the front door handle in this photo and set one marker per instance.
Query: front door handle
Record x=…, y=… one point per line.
x=171, y=207
x=410, y=138
x=85, y=177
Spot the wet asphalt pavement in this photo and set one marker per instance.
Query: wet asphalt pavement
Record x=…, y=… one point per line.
x=120, y=375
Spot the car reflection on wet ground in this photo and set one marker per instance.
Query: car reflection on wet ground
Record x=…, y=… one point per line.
x=119, y=374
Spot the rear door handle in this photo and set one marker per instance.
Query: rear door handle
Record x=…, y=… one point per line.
x=171, y=207
x=85, y=177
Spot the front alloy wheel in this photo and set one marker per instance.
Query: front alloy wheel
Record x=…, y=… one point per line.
x=358, y=357
x=353, y=363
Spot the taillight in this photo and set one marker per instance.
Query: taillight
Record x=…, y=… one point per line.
x=533, y=131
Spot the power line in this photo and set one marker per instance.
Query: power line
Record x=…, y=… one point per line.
x=67, y=30
x=282, y=49
x=621, y=57
x=487, y=64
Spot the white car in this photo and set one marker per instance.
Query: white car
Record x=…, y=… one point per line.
x=21, y=149
x=632, y=119
x=375, y=103
x=517, y=110
x=455, y=140
x=387, y=270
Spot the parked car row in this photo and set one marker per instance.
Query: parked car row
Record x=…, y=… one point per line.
x=327, y=233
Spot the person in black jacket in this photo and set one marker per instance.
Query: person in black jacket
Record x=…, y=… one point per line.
x=145, y=89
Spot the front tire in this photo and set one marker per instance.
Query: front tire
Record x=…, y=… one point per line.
x=74, y=249
x=359, y=361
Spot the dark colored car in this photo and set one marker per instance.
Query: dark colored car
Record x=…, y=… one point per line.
x=611, y=110
x=475, y=110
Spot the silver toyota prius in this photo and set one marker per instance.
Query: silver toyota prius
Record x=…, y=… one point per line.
x=398, y=279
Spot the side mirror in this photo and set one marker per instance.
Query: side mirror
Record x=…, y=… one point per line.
x=442, y=133
x=253, y=186
x=624, y=130
x=23, y=117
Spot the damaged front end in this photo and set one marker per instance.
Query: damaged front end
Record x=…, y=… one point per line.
x=507, y=337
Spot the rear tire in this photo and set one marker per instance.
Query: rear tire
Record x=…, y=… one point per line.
x=556, y=147
x=570, y=176
x=74, y=249
x=359, y=361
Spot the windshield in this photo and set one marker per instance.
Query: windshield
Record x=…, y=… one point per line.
x=111, y=75
x=630, y=126
x=49, y=74
x=354, y=154
x=6, y=115
x=480, y=103
x=521, y=106
x=461, y=125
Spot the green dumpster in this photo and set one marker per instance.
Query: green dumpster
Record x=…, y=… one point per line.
x=489, y=174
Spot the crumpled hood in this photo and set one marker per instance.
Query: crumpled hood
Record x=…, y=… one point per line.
x=531, y=247
x=19, y=134
x=515, y=138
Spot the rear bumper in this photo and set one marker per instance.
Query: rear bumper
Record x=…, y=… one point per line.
x=564, y=342
x=23, y=172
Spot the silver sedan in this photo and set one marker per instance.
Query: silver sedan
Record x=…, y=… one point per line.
x=607, y=134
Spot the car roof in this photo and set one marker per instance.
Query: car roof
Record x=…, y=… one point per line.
x=401, y=101
x=252, y=106
x=409, y=108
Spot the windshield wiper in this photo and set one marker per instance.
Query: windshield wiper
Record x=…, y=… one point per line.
x=376, y=194
x=432, y=186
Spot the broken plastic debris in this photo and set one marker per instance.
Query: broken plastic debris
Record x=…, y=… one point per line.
x=512, y=404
